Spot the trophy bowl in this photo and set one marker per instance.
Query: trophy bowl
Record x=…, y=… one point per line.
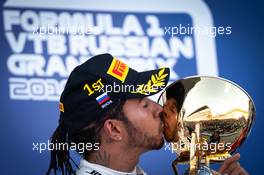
x=205, y=119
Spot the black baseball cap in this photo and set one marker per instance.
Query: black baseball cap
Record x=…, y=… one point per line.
x=98, y=84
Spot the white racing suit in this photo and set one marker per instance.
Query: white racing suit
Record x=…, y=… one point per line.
x=87, y=168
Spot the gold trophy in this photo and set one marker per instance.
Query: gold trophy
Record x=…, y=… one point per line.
x=205, y=120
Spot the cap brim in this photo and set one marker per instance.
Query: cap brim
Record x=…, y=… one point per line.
x=149, y=83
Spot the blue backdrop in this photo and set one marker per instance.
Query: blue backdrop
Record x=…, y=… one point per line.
x=33, y=68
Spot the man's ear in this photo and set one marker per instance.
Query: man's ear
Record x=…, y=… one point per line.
x=113, y=129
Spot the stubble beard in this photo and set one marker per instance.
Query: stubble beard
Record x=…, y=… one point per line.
x=139, y=139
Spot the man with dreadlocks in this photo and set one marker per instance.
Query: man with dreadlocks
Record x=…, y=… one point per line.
x=105, y=104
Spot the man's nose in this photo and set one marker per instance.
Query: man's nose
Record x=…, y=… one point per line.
x=157, y=110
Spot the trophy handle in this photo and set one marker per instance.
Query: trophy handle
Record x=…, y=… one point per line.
x=180, y=160
x=174, y=166
x=194, y=156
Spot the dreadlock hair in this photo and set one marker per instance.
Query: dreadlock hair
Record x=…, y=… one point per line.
x=60, y=158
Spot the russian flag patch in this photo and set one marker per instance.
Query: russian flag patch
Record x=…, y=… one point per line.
x=103, y=100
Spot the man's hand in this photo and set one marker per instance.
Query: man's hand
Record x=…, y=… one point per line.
x=231, y=166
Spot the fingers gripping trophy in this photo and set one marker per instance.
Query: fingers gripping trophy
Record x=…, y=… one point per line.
x=205, y=119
